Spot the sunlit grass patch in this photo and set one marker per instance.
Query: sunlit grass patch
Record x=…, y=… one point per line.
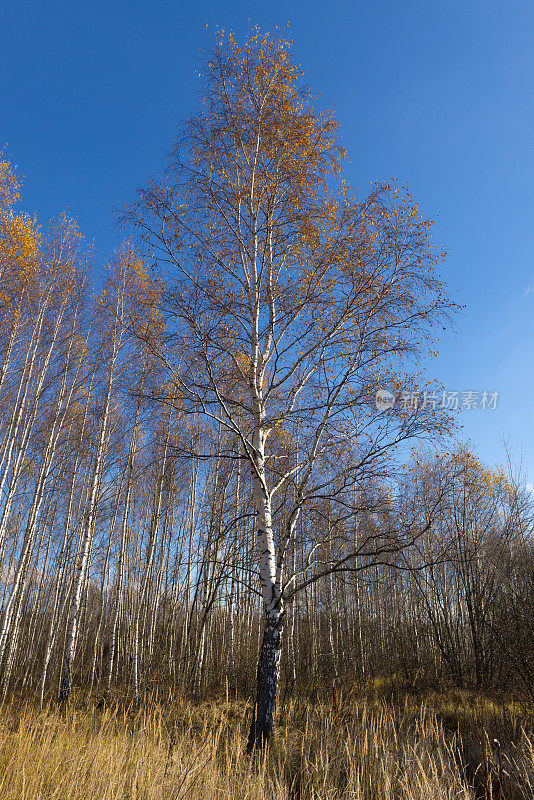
x=171, y=750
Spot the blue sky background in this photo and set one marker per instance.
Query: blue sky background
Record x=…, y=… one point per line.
x=438, y=94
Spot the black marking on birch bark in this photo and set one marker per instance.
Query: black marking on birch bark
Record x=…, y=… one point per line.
x=268, y=674
x=64, y=691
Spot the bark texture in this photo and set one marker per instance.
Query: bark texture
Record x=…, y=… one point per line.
x=266, y=684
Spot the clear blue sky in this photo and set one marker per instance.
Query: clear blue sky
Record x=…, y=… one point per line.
x=438, y=94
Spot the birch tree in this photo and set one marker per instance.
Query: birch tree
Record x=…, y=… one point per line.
x=115, y=306
x=294, y=300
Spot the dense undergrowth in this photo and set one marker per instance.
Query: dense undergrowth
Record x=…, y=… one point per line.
x=449, y=745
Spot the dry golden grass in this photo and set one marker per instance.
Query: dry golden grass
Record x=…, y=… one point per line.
x=373, y=751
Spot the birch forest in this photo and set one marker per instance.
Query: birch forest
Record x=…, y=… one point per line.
x=200, y=499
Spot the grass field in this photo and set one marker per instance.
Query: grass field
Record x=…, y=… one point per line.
x=447, y=746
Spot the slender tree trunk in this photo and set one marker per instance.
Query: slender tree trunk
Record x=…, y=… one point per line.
x=268, y=672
